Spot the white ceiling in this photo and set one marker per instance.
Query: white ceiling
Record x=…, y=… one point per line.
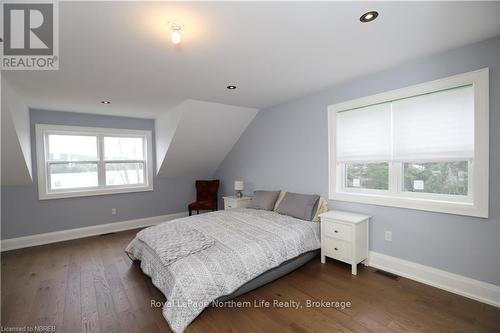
x=273, y=52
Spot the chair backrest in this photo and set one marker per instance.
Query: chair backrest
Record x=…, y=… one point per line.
x=207, y=190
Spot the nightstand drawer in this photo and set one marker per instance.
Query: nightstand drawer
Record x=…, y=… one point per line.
x=338, y=230
x=344, y=236
x=229, y=204
x=337, y=249
x=234, y=202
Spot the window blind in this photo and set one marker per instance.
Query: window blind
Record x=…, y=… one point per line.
x=433, y=127
x=428, y=127
x=364, y=134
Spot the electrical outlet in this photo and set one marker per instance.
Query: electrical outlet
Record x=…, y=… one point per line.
x=113, y=211
x=388, y=236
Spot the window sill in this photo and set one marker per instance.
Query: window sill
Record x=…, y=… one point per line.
x=432, y=205
x=93, y=192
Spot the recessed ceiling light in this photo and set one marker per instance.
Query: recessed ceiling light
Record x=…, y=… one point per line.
x=105, y=102
x=368, y=16
x=231, y=87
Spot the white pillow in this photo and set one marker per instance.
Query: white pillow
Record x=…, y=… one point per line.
x=280, y=199
x=322, y=208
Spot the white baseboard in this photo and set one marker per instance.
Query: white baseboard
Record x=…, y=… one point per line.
x=64, y=235
x=481, y=291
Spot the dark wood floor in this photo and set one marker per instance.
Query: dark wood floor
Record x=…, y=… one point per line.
x=90, y=285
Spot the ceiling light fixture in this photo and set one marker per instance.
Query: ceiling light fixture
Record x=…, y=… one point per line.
x=368, y=16
x=105, y=102
x=231, y=87
x=176, y=28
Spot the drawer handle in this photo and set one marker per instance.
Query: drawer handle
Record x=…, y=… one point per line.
x=336, y=231
x=336, y=249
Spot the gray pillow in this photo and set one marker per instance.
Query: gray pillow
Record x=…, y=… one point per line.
x=301, y=206
x=264, y=200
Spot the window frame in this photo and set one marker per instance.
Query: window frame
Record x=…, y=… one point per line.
x=42, y=131
x=474, y=204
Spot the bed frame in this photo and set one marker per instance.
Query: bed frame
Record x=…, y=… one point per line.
x=271, y=275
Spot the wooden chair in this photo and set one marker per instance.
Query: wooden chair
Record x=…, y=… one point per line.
x=206, y=196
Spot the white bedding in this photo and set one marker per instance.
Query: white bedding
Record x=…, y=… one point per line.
x=247, y=243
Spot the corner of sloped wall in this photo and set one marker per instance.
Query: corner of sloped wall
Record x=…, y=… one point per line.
x=15, y=137
x=197, y=136
x=165, y=127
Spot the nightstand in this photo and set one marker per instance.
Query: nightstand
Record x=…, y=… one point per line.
x=344, y=236
x=234, y=202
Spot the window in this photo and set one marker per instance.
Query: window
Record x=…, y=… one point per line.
x=451, y=178
x=81, y=161
x=373, y=176
x=421, y=147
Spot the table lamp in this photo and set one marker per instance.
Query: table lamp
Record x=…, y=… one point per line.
x=238, y=187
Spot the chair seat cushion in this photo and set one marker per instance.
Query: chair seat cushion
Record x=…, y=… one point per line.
x=197, y=205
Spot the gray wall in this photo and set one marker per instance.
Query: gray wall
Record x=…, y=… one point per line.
x=23, y=214
x=286, y=147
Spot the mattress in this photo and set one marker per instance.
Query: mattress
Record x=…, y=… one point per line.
x=247, y=244
x=272, y=274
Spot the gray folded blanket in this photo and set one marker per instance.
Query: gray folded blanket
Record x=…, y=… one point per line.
x=173, y=240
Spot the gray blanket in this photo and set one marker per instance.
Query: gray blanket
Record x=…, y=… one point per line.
x=248, y=243
x=173, y=241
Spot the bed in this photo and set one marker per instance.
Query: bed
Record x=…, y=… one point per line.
x=246, y=249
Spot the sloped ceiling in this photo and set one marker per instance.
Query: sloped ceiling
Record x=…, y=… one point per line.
x=16, y=145
x=194, y=137
x=273, y=51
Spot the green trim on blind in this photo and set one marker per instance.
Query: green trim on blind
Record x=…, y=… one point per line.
x=403, y=98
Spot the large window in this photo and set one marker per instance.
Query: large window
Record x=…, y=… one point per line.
x=81, y=161
x=422, y=147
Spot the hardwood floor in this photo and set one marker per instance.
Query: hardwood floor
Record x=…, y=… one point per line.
x=90, y=285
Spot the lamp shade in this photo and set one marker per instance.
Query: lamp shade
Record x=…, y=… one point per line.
x=238, y=185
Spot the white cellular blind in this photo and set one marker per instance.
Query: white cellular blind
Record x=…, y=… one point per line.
x=364, y=135
x=436, y=126
x=430, y=127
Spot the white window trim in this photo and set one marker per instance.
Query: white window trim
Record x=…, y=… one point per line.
x=477, y=205
x=41, y=132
